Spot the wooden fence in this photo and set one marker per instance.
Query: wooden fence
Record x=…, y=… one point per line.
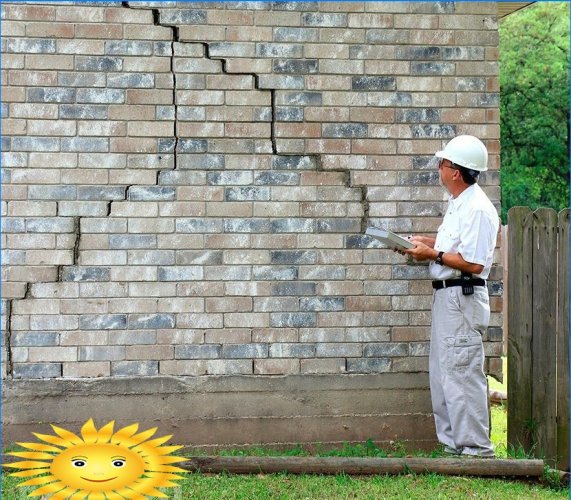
x=538, y=333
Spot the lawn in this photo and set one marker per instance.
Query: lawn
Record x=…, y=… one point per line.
x=404, y=486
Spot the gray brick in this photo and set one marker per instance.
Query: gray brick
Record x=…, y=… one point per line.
x=410, y=272
x=162, y=49
x=470, y=84
x=151, y=193
x=237, y=351
x=281, y=82
x=338, y=225
x=432, y=68
x=13, y=257
x=295, y=6
x=263, y=114
x=200, y=257
x=85, y=144
x=418, y=53
x=178, y=178
x=434, y=131
x=151, y=321
x=361, y=241
x=350, y=130
x=131, y=80
x=101, y=353
x=167, y=145
x=47, y=192
x=165, y=112
x=128, y=48
x=51, y=225
x=371, y=365
x=293, y=320
x=182, y=16
x=322, y=304
x=324, y=20
x=77, y=273
x=293, y=257
x=6, y=141
x=151, y=257
x=197, y=351
x=100, y=193
x=35, y=339
x=386, y=350
x=295, y=66
x=37, y=370
x=277, y=178
x=292, y=225
x=103, y=225
x=35, y=144
x=387, y=36
x=180, y=273
x=300, y=98
x=97, y=63
x=296, y=35
x=295, y=162
x=134, y=368
x=248, y=193
x=495, y=334
x=128, y=241
x=51, y=94
x=31, y=45
x=338, y=350
x=198, y=225
x=201, y=162
x=5, y=109
x=418, y=179
x=373, y=83
x=428, y=115
x=228, y=178
x=290, y=350
x=296, y=288
x=231, y=49
x=192, y=146
x=390, y=99
x=418, y=349
x=278, y=50
x=275, y=273
x=110, y=96
x=103, y=322
x=246, y=225
x=81, y=79
x=82, y=112
x=289, y=114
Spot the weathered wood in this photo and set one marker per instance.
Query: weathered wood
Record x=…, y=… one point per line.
x=364, y=465
x=563, y=343
x=544, y=328
x=519, y=325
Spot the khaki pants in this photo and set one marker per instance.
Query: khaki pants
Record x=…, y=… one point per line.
x=458, y=385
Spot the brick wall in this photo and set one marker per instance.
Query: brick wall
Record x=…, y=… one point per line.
x=185, y=186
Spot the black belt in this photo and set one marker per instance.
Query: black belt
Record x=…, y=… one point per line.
x=439, y=284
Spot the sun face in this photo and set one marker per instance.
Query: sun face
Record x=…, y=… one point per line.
x=98, y=465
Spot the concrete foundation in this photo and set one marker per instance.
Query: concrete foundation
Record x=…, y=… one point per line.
x=231, y=411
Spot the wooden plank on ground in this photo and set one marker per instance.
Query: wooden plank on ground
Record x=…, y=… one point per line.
x=544, y=337
x=563, y=343
x=365, y=465
x=519, y=326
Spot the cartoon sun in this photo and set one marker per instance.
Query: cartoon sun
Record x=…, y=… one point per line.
x=99, y=465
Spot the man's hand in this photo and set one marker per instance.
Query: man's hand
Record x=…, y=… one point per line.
x=421, y=251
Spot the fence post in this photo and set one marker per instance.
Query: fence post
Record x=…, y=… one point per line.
x=520, y=323
x=563, y=343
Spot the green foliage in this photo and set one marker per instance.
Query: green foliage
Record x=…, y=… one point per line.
x=534, y=106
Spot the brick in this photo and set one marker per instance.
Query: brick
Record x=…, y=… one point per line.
x=98, y=63
x=37, y=370
x=322, y=20
x=380, y=365
x=86, y=369
x=134, y=368
x=229, y=367
x=197, y=351
x=276, y=366
x=322, y=365
x=34, y=339
x=103, y=322
x=292, y=350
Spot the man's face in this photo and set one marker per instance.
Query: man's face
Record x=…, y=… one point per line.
x=446, y=171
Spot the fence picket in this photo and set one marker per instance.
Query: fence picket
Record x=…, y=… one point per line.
x=563, y=343
x=520, y=323
x=544, y=328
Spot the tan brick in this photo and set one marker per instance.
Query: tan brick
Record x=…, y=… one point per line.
x=13, y=61
x=83, y=306
x=146, y=32
x=87, y=369
x=89, y=338
x=11, y=192
x=133, y=145
x=201, y=33
x=230, y=18
x=276, y=366
x=237, y=209
x=339, y=146
x=298, y=129
x=329, y=114
x=228, y=336
x=230, y=304
x=368, y=304
x=49, y=61
x=32, y=274
x=14, y=94
x=13, y=290
x=47, y=354
x=99, y=31
x=13, y=127
x=30, y=12
x=34, y=111
x=52, y=127
x=133, y=305
x=183, y=367
x=200, y=129
x=244, y=65
x=373, y=146
x=23, y=241
x=34, y=79
x=132, y=112
x=331, y=365
x=275, y=18
x=327, y=50
x=150, y=129
x=148, y=65
x=346, y=36
x=416, y=364
x=132, y=176
x=249, y=33
x=141, y=96
x=80, y=14
x=137, y=352
x=49, y=30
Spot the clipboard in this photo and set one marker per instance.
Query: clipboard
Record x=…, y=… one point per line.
x=389, y=238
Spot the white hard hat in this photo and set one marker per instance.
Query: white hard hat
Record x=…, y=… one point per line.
x=467, y=151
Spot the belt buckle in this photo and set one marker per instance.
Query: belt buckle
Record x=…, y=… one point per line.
x=444, y=284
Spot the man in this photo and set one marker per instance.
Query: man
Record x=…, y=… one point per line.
x=461, y=257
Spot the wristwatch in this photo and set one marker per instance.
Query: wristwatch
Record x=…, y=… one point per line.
x=438, y=259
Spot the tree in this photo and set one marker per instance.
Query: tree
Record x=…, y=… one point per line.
x=534, y=107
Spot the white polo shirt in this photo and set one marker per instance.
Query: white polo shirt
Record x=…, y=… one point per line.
x=470, y=228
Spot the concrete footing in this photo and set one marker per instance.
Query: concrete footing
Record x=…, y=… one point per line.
x=230, y=411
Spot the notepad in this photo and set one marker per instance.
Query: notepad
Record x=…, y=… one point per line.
x=389, y=238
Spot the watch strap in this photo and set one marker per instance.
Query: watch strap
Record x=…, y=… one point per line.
x=438, y=259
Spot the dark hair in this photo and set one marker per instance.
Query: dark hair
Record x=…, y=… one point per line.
x=469, y=176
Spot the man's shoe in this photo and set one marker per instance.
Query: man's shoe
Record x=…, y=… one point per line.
x=452, y=451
